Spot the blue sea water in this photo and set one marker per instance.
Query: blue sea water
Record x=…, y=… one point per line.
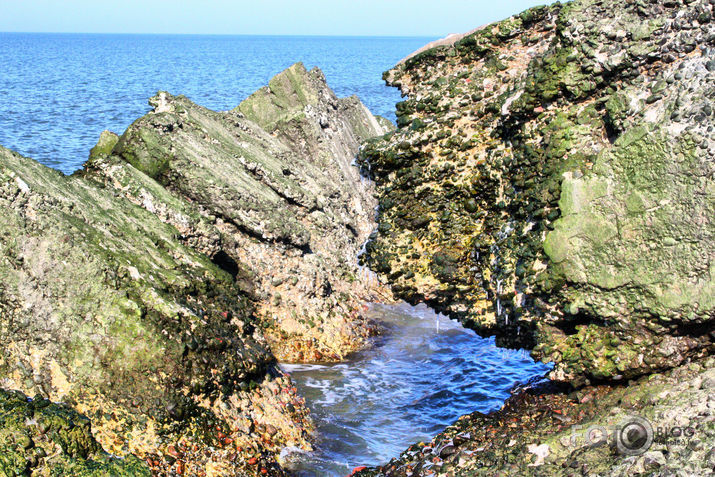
x=421, y=376
x=58, y=92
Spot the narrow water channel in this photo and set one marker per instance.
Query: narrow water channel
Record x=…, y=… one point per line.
x=420, y=377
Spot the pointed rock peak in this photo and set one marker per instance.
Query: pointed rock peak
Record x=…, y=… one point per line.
x=107, y=141
x=286, y=96
x=161, y=102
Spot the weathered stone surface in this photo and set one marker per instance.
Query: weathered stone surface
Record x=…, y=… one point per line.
x=269, y=185
x=141, y=289
x=105, y=309
x=551, y=183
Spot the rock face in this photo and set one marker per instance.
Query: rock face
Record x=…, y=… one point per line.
x=551, y=183
x=105, y=309
x=269, y=185
x=141, y=290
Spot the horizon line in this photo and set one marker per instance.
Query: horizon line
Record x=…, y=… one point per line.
x=294, y=35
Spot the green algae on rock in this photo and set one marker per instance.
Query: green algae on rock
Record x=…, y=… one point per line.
x=551, y=183
x=269, y=185
x=38, y=437
x=104, y=308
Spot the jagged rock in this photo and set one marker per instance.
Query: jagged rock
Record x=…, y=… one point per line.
x=551, y=183
x=269, y=185
x=139, y=290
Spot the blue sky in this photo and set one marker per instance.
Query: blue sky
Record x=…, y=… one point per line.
x=258, y=17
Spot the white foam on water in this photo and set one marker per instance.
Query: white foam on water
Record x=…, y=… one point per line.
x=424, y=374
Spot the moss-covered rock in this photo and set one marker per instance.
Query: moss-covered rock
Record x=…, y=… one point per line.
x=140, y=289
x=104, y=308
x=270, y=185
x=38, y=437
x=564, y=168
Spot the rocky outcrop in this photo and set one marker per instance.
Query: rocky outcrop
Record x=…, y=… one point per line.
x=551, y=183
x=270, y=185
x=148, y=289
x=105, y=309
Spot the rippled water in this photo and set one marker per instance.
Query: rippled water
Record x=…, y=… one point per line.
x=423, y=374
x=58, y=92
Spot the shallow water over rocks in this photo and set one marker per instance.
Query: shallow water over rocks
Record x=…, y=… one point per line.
x=420, y=377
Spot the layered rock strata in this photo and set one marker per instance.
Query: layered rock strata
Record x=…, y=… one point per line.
x=148, y=290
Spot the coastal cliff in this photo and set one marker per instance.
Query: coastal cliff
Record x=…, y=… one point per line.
x=152, y=290
x=551, y=184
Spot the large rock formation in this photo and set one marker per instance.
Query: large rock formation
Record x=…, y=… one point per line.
x=551, y=183
x=270, y=185
x=140, y=289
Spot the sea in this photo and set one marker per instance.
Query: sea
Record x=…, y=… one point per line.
x=58, y=92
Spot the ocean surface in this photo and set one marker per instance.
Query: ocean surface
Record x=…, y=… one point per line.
x=58, y=92
x=424, y=374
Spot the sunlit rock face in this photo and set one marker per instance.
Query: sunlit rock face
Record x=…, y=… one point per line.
x=153, y=290
x=270, y=185
x=551, y=183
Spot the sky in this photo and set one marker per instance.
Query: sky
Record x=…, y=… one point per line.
x=428, y=18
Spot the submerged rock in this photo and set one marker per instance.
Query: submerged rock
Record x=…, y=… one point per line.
x=551, y=183
x=141, y=289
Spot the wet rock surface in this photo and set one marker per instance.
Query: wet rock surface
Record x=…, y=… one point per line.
x=546, y=430
x=152, y=290
x=551, y=184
